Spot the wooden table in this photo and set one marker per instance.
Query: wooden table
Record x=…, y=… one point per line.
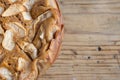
x=91, y=46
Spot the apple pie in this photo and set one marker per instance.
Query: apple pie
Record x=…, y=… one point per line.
x=30, y=37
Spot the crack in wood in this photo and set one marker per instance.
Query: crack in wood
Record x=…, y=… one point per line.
x=118, y=61
x=75, y=53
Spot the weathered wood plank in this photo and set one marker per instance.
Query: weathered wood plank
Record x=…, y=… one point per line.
x=90, y=38
x=93, y=47
x=89, y=1
x=90, y=6
x=89, y=52
x=94, y=24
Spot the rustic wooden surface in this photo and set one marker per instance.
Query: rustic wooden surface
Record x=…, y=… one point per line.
x=91, y=46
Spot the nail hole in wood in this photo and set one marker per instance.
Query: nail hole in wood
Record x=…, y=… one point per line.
x=115, y=56
x=98, y=62
x=89, y=57
x=99, y=48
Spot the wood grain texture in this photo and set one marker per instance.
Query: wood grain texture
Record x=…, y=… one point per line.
x=91, y=45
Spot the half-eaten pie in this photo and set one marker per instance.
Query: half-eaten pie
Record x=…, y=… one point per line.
x=30, y=37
